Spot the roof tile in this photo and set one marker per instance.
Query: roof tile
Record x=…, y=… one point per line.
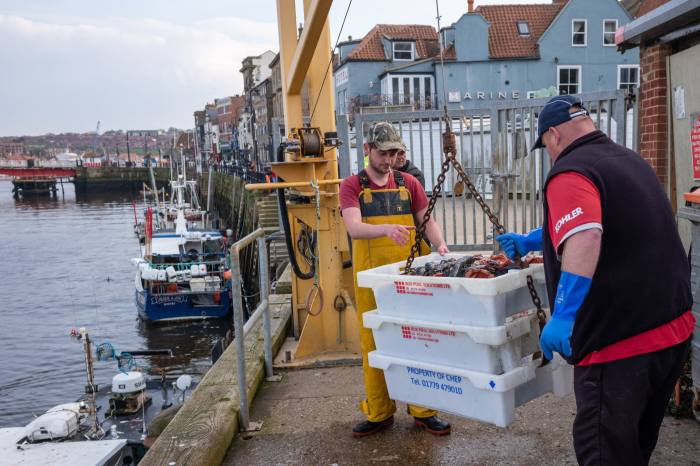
x=504, y=39
x=371, y=48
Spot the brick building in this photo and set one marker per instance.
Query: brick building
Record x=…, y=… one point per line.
x=667, y=34
x=11, y=148
x=227, y=113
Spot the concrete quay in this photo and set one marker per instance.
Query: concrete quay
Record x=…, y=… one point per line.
x=308, y=416
x=202, y=430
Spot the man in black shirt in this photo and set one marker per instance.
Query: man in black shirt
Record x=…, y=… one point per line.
x=402, y=164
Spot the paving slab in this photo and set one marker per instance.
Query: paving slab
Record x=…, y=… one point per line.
x=308, y=416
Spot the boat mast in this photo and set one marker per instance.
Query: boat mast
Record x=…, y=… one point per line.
x=90, y=388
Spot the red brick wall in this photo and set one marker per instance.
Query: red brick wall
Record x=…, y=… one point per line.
x=653, y=109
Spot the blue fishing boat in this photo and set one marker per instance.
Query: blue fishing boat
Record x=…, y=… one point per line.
x=182, y=273
x=184, y=279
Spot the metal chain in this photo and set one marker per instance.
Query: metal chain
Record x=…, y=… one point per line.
x=500, y=229
x=541, y=316
x=449, y=147
x=420, y=231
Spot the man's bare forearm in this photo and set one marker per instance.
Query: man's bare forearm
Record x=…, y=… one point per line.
x=359, y=230
x=581, y=253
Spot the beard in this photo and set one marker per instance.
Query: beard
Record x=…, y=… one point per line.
x=382, y=167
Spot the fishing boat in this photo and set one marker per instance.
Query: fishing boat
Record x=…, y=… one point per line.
x=183, y=197
x=109, y=425
x=182, y=274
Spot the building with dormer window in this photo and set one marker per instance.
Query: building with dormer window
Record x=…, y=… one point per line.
x=492, y=52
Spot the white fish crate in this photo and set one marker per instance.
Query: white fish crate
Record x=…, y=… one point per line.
x=476, y=395
x=494, y=350
x=454, y=300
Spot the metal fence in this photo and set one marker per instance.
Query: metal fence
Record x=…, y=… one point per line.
x=263, y=310
x=493, y=146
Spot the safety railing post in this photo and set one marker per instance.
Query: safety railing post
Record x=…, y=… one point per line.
x=263, y=272
x=239, y=335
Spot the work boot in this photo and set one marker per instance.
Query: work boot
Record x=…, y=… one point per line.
x=366, y=428
x=433, y=424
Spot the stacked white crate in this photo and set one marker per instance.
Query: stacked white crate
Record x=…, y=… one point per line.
x=460, y=345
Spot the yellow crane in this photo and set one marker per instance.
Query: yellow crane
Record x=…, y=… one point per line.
x=322, y=296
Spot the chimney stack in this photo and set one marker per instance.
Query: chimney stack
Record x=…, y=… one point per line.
x=470, y=6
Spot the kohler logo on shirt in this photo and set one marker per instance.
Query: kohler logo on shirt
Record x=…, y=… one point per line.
x=567, y=218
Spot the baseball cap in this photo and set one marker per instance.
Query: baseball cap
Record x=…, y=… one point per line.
x=556, y=112
x=384, y=137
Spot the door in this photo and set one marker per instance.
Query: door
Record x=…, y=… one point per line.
x=685, y=110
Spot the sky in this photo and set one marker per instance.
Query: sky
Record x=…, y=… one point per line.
x=135, y=64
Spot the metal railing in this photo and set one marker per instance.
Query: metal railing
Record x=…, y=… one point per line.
x=415, y=101
x=263, y=309
x=241, y=171
x=493, y=140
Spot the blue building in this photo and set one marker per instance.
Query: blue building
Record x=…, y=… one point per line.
x=492, y=52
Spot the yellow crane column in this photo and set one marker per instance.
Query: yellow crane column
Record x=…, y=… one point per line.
x=322, y=305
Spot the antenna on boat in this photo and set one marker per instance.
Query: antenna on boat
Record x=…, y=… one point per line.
x=90, y=388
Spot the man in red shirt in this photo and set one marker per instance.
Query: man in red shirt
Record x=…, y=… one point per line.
x=618, y=284
x=381, y=208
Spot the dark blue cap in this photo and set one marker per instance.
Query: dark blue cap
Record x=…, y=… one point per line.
x=556, y=112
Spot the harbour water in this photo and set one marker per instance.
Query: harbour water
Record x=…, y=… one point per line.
x=66, y=264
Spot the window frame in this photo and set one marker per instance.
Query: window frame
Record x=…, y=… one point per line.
x=585, y=32
x=580, y=78
x=619, y=71
x=527, y=28
x=613, y=31
x=412, y=51
x=394, y=93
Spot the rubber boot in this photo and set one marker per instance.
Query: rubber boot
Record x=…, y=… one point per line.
x=365, y=428
x=433, y=424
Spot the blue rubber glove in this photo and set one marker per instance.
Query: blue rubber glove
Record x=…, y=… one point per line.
x=571, y=292
x=512, y=242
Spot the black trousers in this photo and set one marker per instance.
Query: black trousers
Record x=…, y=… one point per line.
x=620, y=406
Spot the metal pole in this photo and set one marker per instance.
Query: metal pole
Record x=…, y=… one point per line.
x=239, y=336
x=264, y=273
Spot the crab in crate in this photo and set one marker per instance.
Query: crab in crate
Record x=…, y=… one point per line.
x=476, y=266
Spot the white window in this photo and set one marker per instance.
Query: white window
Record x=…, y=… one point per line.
x=530, y=94
x=609, y=28
x=416, y=90
x=523, y=28
x=578, y=32
x=569, y=79
x=627, y=77
x=403, y=51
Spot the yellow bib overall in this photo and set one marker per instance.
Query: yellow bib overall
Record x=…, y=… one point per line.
x=381, y=206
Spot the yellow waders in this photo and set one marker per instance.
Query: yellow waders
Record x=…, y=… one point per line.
x=382, y=206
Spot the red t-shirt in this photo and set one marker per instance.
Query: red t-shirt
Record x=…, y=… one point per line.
x=575, y=206
x=350, y=190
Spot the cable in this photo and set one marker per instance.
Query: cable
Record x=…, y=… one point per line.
x=282, y=205
x=330, y=62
